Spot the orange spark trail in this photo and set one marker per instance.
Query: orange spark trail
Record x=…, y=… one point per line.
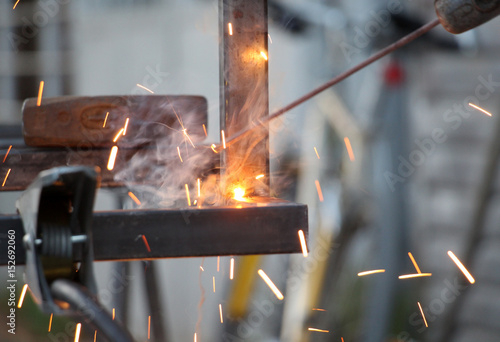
x=187, y=195
x=202, y=269
x=194, y=337
x=134, y=198
x=318, y=188
x=361, y=274
x=303, y=243
x=77, y=332
x=461, y=267
x=112, y=157
x=263, y=54
x=230, y=28
x=117, y=136
x=149, y=327
x=105, y=120
x=318, y=330
x=113, y=314
x=40, y=93
x=213, y=148
x=143, y=87
x=220, y=313
x=198, y=181
x=95, y=336
x=480, y=109
x=414, y=262
x=205, y=130
x=6, y=176
x=15, y=5
x=317, y=154
x=6, y=154
x=270, y=39
x=231, y=269
x=125, y=126
x=316, y=309
x=271, y=285
x=349, y=148
x=223, y=139
x=414, y=275
x=259, y=177
x=213, y=283
x=179, y=153
x=422, y=312
x=218, y=263
x=146, y=242
x=50, y=322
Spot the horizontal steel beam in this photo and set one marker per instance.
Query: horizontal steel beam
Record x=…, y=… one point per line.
x=269, y=228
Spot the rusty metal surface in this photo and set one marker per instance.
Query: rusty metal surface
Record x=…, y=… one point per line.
x=252, y=229
x=72, y=121
x=458, y=16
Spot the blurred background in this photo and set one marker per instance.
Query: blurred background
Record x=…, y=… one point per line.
x=421, y=176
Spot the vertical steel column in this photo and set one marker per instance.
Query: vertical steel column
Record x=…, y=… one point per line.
x=244, y=95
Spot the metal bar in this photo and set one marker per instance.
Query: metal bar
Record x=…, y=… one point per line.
x=245, y=95
x=117, y=235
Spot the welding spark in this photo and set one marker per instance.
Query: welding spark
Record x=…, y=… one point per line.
x=40, y=93
x=342, y=339
x=259, y=177
x=318, y=188
x=230, y=28
x=143, y=87
x=113, y=314
x=223, y=139
x=50, y=322
x=213, y=283
x=77, y=332
x=194, y=337
x=303, y=243
x=220, y=313
x=213, y=148
x=202, y=269
x=414, y=262
x=461, y=267
x=146, y=242
x=317, y=154
x=105, y=120
x=270, y=39
x=238, y=194
x=187, y=195
x=263, y=54
x=6, y=176
x=422, y=312
x=117, y=136
x=6, y=154
x=361, y=274
x=179, y=154
x=95, y=335
x=414, y=275
x=218, y=263
x=112, y=157
x=134, y=198
x=480, y=109
x=205, y=130
x=149, y=327
x=16, y=4
x=316, y=309
x=318, y=330
x=125, y=126
x=349, y=148
x=184, y=130
x=271, y=285
x=198, y=182
x=231, y=269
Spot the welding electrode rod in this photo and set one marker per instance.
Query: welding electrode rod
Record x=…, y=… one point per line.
x=394, y=46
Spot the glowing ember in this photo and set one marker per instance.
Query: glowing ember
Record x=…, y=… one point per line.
x=263, y=54
x=134, y=198
x=179, y=153
x=117, y=136
x=213, y=283
x=6, y=176
x=6, y=154
x=479, y=109
x=202, y=269
x=125, y=126
x=303, y=243
x=213, y=148
x=113, y=314
x=187, y=195
x=95, y=335
x=259, y=177
x=316, y=309
x=50, y=322
x=361, y=274
x=105, y=120
x=218, y=263
x=15, y=5
x=271, y=285
x=143, y=87
x=40, y=93
x=149, y=327
x=112, y=157
x=414, y=262
x=220, y=313
x=461, y=267
x=23, y=294
x=422, y=312
x=349, y=148
x=317, y=154
x=318, y=330
x=198, y=182
x=205, y=130
x=318, y=188
x=231, y=269
x=415, y=275
x=146, y=242
x=230, y=28
x=77, y=332
x=238, y=194
x=223, y=139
